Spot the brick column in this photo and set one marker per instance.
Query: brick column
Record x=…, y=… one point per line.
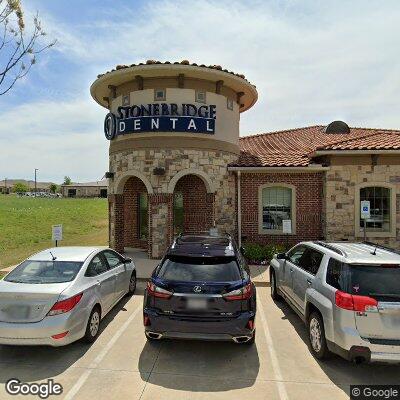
x=116, y=216
x=160, y=223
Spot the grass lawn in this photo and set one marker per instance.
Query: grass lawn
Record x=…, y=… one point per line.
x=25, y=224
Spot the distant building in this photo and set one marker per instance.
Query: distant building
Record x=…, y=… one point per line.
x=86, y=189
x=8, y=185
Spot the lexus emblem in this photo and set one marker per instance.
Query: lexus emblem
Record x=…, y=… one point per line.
x=197, y=289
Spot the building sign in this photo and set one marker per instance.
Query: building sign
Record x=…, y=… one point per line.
x=57, y=232
x=365, y=209
x=160, y=117
x=287, y=226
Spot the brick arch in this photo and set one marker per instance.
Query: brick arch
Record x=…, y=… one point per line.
x=198, y=204
x=125, y=176
x=191, y=171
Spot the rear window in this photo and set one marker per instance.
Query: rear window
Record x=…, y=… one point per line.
x=190, y=269
x=32, y=271
x=378, y=281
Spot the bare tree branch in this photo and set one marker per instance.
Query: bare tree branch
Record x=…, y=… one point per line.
x=18, y=50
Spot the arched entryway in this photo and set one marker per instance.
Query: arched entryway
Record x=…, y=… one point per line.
x=193, y=205
x=136, y=214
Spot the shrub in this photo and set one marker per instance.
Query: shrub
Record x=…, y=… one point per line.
x=257, y=253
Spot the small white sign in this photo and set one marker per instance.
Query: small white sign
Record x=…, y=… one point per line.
x=287, y=226
x=57, y=232
x=365, y=209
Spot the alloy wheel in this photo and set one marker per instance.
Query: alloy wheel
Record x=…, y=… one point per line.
x=94, y=324
x=132, y=283
x=273, y=284
x=315, y=335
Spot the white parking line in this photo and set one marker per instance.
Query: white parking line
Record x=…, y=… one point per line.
x=274, y=359
x=94, y=364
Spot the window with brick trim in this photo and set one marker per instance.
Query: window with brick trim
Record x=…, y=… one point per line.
x=276, y=203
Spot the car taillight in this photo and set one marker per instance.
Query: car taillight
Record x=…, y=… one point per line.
x=64, y=306
x=156, y=291
x=146, y=320
x=243, y=293
x=355, y=303
x=250, y=324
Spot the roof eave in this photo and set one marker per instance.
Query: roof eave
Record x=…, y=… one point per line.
x=352, y=152
x=269, y=169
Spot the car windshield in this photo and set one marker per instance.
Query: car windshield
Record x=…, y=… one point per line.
x=190, y=269
x=41, y=272
x=381, y=282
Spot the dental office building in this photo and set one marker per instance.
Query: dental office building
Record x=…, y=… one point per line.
x=177, y=164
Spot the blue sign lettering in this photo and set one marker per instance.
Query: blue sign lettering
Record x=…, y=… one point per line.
x=160, y=117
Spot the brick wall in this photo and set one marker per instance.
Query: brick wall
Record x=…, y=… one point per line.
x=197, y=204
x=132, y=188
x=309, y=206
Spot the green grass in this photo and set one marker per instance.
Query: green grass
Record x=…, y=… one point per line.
x=25, y=224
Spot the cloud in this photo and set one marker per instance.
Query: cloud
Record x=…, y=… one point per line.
x=312, y=62
x=58, y=138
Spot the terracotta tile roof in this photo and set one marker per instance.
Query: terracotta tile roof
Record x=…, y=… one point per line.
x=183, y=62
x=294, y=147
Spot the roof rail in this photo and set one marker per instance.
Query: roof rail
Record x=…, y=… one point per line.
x=380, y=246
x=331, y=247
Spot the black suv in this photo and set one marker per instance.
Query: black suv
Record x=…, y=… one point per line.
x=201, y=290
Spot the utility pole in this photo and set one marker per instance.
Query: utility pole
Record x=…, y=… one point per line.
x=36, y=181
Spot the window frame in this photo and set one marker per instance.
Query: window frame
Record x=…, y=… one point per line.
x=196, y=98
x=116, y=254
x=126, y=100
x=164, y=98
x=358, y=230
x=90, y=264
x=139, y=216
x=261, y=229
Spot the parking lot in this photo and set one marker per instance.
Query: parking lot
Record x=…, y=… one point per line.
x=122, y=365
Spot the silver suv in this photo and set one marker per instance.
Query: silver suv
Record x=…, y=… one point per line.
x=348, y=294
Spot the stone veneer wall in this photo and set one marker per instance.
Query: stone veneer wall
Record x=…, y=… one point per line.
x=211, y=162
x=341, y=185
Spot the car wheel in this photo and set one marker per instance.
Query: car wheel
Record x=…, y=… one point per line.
x=316, y=334
x=132, y=284
x=93, y=326
x=274, y=292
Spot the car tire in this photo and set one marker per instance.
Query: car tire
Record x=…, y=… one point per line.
x=274, y=292
x=316, y=336
x=93, y=325
x=132, y=284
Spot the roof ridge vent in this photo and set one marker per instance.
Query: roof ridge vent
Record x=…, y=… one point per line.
x=337, y=127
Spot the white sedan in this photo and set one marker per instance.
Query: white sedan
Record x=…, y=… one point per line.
x=61, y=294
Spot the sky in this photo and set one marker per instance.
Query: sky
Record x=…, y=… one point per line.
x=312, y=62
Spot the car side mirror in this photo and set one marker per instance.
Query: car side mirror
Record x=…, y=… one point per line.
x=127, y=260
x=242, y=250
x=281, y=256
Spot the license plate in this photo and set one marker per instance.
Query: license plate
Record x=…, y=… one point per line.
x=17, y=312
x=197, y=304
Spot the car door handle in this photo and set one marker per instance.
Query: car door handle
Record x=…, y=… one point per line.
x=309, y=281
x=291, y=270
x=98, y=283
